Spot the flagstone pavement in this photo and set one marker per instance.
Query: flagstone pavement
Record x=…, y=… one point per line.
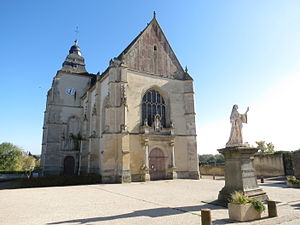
x=155, y=202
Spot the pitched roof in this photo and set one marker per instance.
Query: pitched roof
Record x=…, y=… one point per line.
x=151, y=52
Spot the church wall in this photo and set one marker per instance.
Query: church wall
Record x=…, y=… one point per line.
x=152, y=53
x=84, y=131
x=111, y=158
x=137, y=157
x=94, y=131
x=94, y=102
x=181, y=113
x=64, y=81
x=102, y=118
x=62, y=122
x=171, y=90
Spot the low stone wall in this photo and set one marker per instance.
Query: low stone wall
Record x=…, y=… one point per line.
x=265, y=165
x=269, y=165
x=11, y=176
x=296, y=163
x=217, y=170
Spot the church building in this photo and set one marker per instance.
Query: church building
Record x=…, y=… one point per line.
x=134, y=122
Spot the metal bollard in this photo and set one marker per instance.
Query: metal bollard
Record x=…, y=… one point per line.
x=262, y=179
x=272, y=208
x=205, y=217
x=214, y=176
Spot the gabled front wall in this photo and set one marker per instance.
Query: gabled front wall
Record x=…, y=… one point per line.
x=179, y=110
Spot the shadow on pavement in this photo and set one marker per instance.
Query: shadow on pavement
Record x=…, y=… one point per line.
x=156, y=212
x=296, y=206
x=278, y=184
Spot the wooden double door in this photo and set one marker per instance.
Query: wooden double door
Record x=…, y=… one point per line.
x=69, y=165
x=157, y=164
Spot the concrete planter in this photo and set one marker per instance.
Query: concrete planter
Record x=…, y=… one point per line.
x=243, y=212
x=290, y=184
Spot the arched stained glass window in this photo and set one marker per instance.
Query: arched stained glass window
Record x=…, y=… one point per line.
x=152, y=104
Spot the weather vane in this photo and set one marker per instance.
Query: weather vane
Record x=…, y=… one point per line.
x=76, y=34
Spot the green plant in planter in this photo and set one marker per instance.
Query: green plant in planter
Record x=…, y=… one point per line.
x=239, y=198
x=293, y=180
x=258, y=205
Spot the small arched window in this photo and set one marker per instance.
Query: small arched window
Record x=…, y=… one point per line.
x=153, y=103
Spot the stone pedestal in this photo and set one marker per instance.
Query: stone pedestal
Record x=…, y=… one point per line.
x=240, y=174
x=145, y=176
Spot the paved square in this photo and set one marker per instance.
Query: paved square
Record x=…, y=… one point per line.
x=159, y=202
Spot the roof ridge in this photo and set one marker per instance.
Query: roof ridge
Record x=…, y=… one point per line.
x=135, y=39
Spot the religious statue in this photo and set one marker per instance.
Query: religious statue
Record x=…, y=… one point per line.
x=237, y=120
x=146, y=122
x=172, y=125
x=157, y=123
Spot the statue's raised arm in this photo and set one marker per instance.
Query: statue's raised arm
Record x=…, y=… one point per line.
x=237, y=120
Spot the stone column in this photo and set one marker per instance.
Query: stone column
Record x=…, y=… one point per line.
x=173, y=167
x=126, y=173
x=146, y=168
x=240, y=174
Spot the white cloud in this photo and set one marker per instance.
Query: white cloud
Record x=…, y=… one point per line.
x=274, y=118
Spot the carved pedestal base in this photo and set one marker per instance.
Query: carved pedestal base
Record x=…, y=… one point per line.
x=174, y=175
x=240, y=174
x=171, y=173
x=147, y=177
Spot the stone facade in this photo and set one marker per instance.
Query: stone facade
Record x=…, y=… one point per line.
x=134, y=122
x=296, y=160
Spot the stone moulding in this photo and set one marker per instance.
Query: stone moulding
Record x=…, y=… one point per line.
x=290, y=184
x=243, y=212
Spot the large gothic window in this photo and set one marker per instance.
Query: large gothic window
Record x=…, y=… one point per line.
x=152, y=104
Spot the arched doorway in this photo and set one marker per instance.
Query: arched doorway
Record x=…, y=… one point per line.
x=157, y=164
x=69, y=165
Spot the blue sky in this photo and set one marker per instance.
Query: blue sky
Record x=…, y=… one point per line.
x=238, y=52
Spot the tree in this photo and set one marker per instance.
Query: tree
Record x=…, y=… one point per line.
x=13, y=158
x=265, y=148
x=28, y=162
x=10, y=156
x=210, y=158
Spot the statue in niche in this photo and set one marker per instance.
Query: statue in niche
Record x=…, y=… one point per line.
x=237, y=120
x=146, y=122
x=157, y=123
x=94, y=110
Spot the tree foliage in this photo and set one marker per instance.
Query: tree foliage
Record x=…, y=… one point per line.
x=14, y=158
x=210, y=158
x=265, y=148
x=10, y=156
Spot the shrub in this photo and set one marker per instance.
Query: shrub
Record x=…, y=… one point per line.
x=258, y=205
x=57, y=181
x=293, y=180
x=13, y=172
x=239, y=198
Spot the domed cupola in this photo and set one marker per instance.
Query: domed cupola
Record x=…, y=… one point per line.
x=75, y=49
x=74, y=62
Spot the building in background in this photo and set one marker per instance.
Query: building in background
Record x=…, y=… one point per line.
x=134, y=122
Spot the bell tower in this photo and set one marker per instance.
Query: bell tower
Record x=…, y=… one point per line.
x=62, y=120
